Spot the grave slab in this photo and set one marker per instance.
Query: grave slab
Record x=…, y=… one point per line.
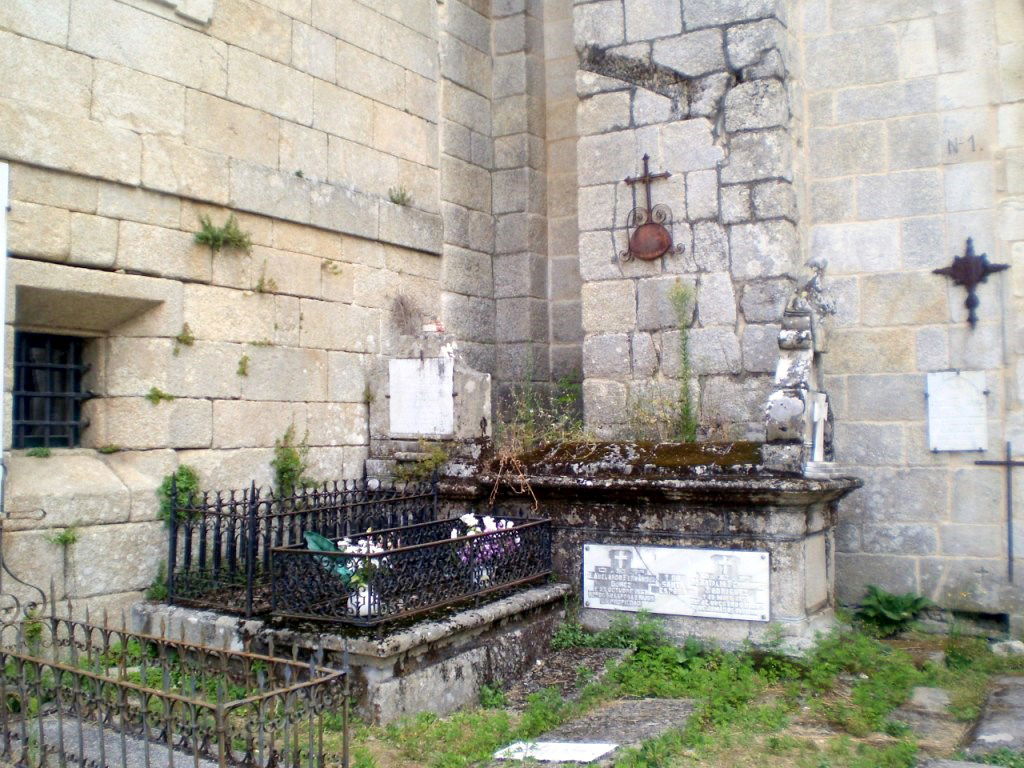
x=1002, y=722
x=625, y=722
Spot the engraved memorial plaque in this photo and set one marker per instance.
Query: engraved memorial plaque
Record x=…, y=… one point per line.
x=956, y=411
x=712, y=583
x=421, y=402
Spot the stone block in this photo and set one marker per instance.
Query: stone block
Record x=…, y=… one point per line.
x=346, y=378
x=410, y=227
x=756, y=104
x=280, y=194
x=25, y=17
x=517, y=232
x=716, y=300
x=93, y=240
x=760, y=348
x=254, y=27
x=907, y=193
x=509, y=34
x=856, y=247
x=609, y=306
x=902, y=299
x=525, y=274
x=978, y=497
x=932, y=346
x=607, y=356
x=868, y=444
x=859, y=350
x=606, y=158
x=847, y=150
x=221, y=314
x=655, y=308
x=714, y=350
x=687, y=145
x=92, y=571
x=708, y=13
x=307, y=381
x=69, y=143
x=269, y=86
x=403, y=135
x=313, y=51
x=598, y=256
x=736, y=405
x=118, y=33
x=765, y=300
x=970, y=186
x=914, y=142
x=852, y=58
x=566, y=322
x=885, y=397
x=758, y=155
x=692, y=54
x=39, y=231
x=470, y=318
x=129, y=99
x=884, y=101
x=768, y=249
x=748, y=44
x=342, y=113
x=895, y=539
x=980, y=348
x=521, y=319
x=302, y=149
x=332, y=424
x=973, y=540
x=135, y=423
x=775, y=199
x=736, y=204
x=248, y=424
x=467, y=272
x=53, y=188
x=649, y=108
x=647, y=19
x=854, y=572
x=178, y=169
x=465, y=184
x=73, y=489
x=702, y=195
x=604, y=404
x=162, y=252
x=348, y=327
x=601, y=24
x=831, y=201
x=710, y=247
x=603, y=112
x=227, y=128
x=522, y=362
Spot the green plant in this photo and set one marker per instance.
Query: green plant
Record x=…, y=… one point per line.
x=227, y=235
x=39, y=452
x=361, y=758
x=300, y=174
x=157, y=591
x=493, y=697
x=681, y=297
x=243, y=366
x=634, y=631
x=186, y=482
x=1003, y=756
x=109, y=448
x=157, y=396
x=261, y=343
x=65, y=537
x=888, y=614
x=265, y=284
x=32, y=626
x=289, y=463
x=184, y=339
x=434, y=457
x=399, y=195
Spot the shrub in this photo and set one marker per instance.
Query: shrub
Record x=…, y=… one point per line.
x=289, y=463
x=186, y=481
x=888, y=614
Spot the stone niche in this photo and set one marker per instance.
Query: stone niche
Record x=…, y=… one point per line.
x=706, y=496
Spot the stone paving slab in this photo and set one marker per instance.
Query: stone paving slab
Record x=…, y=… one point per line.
x=626, y=722
x=1002, y=722
x=927, y=714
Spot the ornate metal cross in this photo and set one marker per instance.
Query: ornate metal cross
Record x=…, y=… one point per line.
x=970, y=271
x=649, y=238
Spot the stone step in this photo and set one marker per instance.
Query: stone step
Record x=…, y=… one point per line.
x=624, y=722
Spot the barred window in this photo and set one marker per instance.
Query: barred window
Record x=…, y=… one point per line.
x=48, y=393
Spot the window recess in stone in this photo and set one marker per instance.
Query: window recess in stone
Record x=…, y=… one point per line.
x=48, y=394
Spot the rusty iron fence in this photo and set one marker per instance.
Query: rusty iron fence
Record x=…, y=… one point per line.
x=88, y=694
x=398, y=573
x=220, y=543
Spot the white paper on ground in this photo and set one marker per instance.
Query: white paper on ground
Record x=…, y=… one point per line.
x=555, y=751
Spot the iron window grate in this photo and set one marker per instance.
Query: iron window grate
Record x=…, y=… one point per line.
x=48, y=395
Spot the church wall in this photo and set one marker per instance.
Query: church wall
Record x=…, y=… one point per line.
x=708, y=90
x=125, y=123
x=911, y=145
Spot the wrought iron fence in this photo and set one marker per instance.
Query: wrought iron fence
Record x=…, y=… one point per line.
x=104, y=697
x=406, y=571
x=220, y=543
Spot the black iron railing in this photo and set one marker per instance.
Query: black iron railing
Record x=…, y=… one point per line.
x=407, y=571
x=220, y=543
x=89, y=694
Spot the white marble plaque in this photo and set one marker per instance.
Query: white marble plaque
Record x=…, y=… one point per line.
x=555, y=751
x=713, y=583
x=421, y=400
x=956, y=411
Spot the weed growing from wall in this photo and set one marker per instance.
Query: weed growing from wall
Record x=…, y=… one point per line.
x=228, y=235
x=243, y=366
x=289, y=463
x=64, y=538
x=39, y=452
x=681, y=297
x=434, y=457
x=157, y=396
x=399, y=196
x=186, y=482
x=184, y=339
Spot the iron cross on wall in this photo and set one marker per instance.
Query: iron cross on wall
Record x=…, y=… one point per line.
x=970, y=270
x=649, y=235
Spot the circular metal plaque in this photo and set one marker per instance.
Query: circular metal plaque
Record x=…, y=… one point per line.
x=649, y=241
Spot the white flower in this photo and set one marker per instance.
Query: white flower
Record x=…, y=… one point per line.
x=489, y=524
x=469, y=519
x=455, y=533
